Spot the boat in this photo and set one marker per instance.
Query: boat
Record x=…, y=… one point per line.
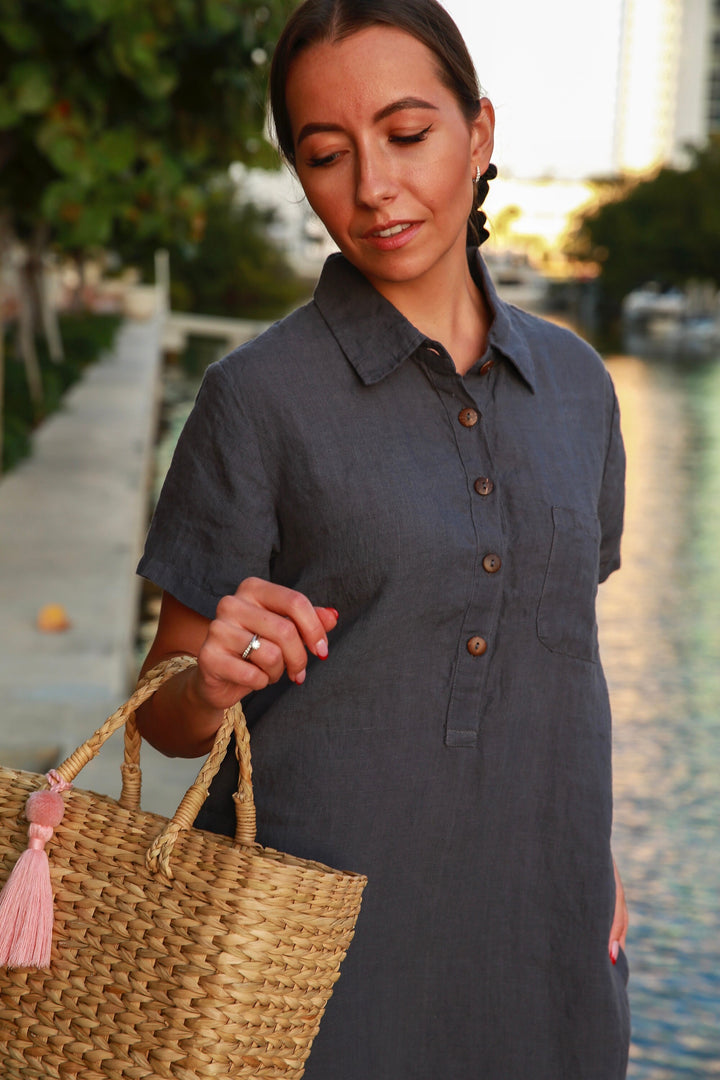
x=672, y=322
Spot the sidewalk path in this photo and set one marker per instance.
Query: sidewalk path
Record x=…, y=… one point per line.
x=72, y=521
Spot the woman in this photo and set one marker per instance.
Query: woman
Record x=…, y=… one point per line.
x=421, y=486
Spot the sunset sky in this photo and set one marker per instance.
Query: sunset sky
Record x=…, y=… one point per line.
x=550, y=70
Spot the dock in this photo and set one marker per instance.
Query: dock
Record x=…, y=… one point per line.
x=73, y=517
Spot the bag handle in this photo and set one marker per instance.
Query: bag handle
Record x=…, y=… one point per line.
x=158, y=856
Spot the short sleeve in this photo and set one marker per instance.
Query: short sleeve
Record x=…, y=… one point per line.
x=611, y=506
x=215, y=521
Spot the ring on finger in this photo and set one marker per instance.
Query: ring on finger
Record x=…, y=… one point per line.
x=253, y=644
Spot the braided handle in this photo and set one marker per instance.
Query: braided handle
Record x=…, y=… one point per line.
x=158, y=856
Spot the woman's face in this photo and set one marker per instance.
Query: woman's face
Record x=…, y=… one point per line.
x=385, y=155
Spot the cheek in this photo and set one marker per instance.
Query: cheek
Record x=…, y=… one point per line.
x=325, y=199
x=449, y=178
x=452, y=190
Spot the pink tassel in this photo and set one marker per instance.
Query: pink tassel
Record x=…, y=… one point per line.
x=26, y=902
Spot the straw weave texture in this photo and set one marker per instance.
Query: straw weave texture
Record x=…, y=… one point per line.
x=222, y=969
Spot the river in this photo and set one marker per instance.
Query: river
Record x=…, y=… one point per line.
x=660, y=638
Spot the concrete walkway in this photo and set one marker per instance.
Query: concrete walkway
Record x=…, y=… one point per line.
x=72, y=521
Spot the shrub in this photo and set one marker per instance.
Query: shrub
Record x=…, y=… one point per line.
x=85, y=337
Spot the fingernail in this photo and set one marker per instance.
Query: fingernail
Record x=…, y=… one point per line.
x=300, y=677
x=614, y=951
x=335, y=612
x=321, y=649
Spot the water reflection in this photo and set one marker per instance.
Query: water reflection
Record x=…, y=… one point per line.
x=660, y=632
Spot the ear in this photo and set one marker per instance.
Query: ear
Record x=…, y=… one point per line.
x=483, y=135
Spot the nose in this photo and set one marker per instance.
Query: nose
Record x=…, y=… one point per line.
x=375, y=180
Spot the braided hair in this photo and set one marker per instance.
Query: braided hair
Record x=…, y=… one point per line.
x=477, y=233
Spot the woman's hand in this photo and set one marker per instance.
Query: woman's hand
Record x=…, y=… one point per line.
x=287, y=627
x=619, y=928
x=182, y=717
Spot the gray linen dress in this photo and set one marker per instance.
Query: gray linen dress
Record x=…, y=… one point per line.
x=456, y=745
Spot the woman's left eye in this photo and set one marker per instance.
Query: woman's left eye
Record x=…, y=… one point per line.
x=416, y=137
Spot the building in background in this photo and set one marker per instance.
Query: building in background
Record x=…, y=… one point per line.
x=647, y=83
x=713, y=75
x=668, y=81
x=295, y=227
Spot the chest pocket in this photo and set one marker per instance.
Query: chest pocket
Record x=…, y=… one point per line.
x=566, y=612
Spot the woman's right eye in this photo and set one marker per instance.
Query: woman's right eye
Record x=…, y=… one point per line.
x=326, y=159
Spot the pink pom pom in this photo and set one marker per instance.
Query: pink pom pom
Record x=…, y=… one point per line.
x=45, y=808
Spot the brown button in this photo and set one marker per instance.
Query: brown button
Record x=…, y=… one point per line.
x=468, y=417
x=492, y=563
x=487, y=366
x=476, y=646
x=484, y=485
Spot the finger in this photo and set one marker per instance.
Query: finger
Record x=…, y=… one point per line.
x=281, y=646
x=618, y=936
x=268, y=656
x=619, y=928
x=236, y=626
x=291, y=604
x=272, y=660
x=224, y=678
x=328, y=617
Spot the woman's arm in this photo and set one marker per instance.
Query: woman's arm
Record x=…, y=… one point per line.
x=182, y=717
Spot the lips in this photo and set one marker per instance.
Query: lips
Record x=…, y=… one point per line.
x=391, y=229
x=391, y=235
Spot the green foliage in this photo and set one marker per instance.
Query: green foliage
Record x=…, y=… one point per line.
x=114, y=112
x=666, y=229
x=235, y=270
x=85, y=338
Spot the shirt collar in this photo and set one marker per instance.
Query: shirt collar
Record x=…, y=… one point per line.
x=507, y=333
x=376, y=338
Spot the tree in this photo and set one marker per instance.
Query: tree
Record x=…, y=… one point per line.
x=235, y=268
x=665, y=229
x=113, y=114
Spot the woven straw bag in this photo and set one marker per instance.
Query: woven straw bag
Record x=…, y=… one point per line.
x=176, y=953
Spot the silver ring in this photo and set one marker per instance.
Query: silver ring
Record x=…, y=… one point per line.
x=253, y=644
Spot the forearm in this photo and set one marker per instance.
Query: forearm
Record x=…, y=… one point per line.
x=176, y=722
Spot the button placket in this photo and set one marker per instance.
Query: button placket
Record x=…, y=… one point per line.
x=464, y=400
x=469, y=417
x=475, y=642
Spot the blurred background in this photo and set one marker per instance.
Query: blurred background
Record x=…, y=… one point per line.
x=146, y=228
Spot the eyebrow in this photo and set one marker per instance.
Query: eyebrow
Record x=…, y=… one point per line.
x=382, y=114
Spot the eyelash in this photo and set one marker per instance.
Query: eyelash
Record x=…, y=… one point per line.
x=316, y=163
x=403, y=140
x=420, y=136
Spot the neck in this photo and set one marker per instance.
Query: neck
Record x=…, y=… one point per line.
x=449, y=309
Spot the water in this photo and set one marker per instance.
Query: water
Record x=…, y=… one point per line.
x=660, y=636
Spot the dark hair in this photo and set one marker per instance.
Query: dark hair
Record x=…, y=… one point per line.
x=315, y=21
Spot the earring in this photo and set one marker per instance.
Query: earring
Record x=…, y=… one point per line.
x=478, y=175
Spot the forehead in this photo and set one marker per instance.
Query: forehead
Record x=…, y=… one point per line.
x=362, y=72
